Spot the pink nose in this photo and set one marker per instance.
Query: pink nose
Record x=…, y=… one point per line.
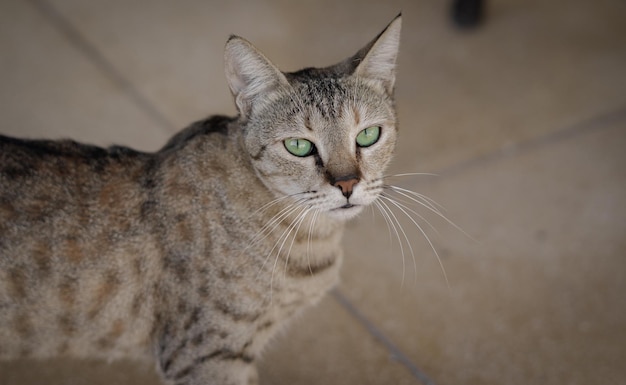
x=346, y=186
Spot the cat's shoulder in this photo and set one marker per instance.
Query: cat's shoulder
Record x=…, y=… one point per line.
x=216, y=124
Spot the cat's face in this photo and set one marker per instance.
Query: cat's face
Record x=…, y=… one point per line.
x=320, y=136
x=326, y=143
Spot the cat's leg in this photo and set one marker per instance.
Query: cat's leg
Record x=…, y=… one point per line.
x=221, y=367
x=216, y=372
x=205, y=357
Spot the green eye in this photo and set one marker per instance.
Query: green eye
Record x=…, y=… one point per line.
x=299, y=147
x=368, y=136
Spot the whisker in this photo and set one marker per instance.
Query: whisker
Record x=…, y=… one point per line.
x=417, y=198
x=445, y=275
x=401, y=203
x=295, y=235
x=284, y=239
x=386, y=220
x=280, y=216
x=386, y=211
x=308, y=246
x=270, y=204
x=271, y=225
x=293, y=209
x=410, y=174
x=371, y=209
x=406, y=238
x=405, y=193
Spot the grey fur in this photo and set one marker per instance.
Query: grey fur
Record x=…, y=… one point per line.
x=195, y=255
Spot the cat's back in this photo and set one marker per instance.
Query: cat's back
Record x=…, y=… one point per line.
x=29, y=167
x=56, y=185
x=82, y=239
x=66, y=211
x=52, y=171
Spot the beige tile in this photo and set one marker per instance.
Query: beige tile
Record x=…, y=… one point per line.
x=535, y=66
x=538, y=297
x=173, y=51
x=326, y=346
x=50, y=90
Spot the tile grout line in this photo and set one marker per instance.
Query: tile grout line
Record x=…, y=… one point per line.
x=378, y=335
x=595, y=122
x=80, y=43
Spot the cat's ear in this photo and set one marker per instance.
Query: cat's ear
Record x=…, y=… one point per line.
x=377, y=60
x=249, y=73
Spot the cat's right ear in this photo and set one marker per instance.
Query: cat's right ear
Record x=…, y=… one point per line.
x=249, y=73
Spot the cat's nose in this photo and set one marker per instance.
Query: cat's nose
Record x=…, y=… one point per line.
x=346, y=184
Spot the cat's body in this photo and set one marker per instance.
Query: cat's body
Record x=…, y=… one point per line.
x=196, y=254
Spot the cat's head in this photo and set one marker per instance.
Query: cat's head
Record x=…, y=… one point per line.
x=321, y=135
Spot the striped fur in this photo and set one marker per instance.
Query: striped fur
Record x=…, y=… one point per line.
x=194, y=255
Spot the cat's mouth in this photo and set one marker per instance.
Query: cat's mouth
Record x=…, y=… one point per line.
x=346, y=206
x=346, y=211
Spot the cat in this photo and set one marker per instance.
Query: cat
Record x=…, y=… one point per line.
x=195, y=255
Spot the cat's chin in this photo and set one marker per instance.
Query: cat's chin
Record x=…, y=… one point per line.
x=346, y=212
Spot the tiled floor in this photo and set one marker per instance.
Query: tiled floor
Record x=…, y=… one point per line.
x=523, y=119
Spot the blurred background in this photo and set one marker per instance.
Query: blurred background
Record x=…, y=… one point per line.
x=523, y=119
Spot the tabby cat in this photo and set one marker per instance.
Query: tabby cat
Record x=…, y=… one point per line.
x=195, y=255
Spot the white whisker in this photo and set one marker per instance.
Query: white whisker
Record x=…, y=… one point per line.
x=371, y=208
x=308, y=246
x=284, y=238
x=425, y=236
x=301, y=218
x=292, y=209
x=410, y=174
x=406, y=193
x=271, y=225
x=270, y=204
x=406, y=238
x=386, y=211
x=417, y=198
x=402, y=203
x=386, y=220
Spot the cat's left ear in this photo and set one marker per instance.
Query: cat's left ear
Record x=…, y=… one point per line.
x=377, y=60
